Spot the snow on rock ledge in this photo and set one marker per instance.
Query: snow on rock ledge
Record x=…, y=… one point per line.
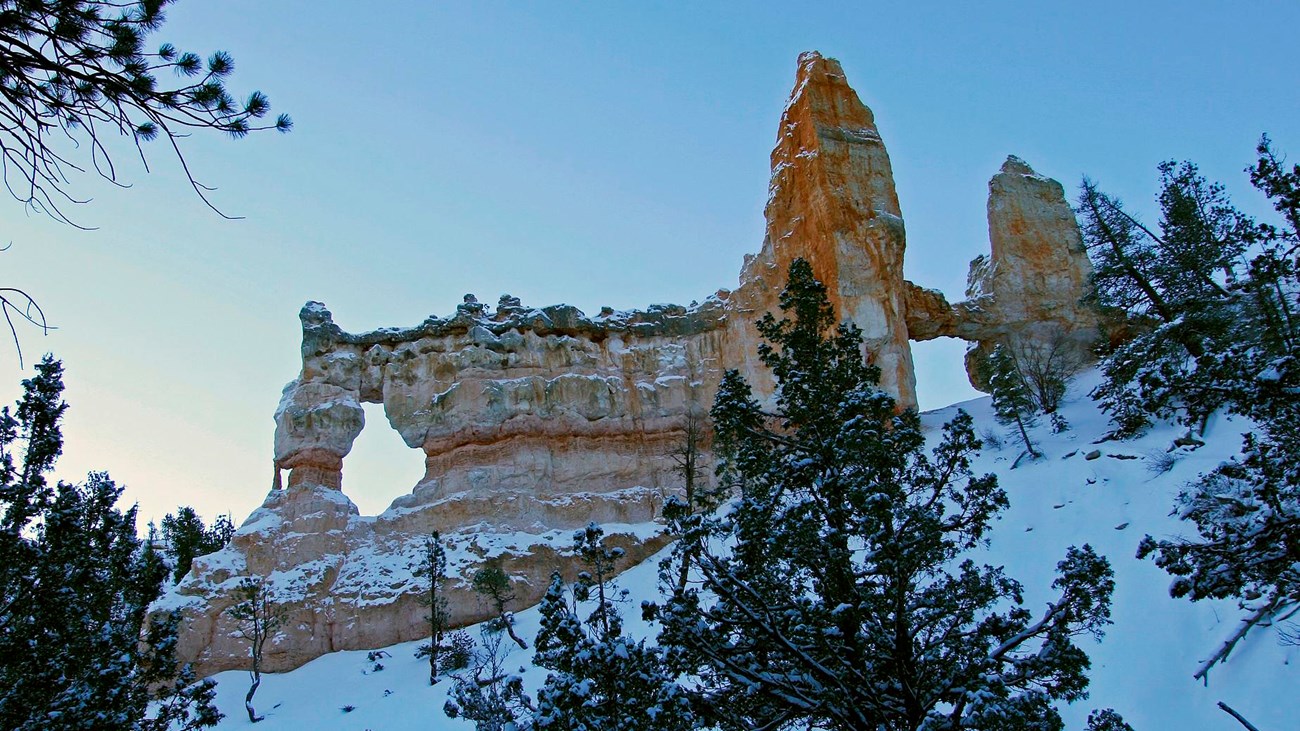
x=535, y=421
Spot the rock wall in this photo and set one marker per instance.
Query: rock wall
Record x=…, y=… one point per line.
x=535, y=422
x=1030, y=292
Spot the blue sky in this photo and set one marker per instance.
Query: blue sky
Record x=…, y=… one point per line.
x=602, y=153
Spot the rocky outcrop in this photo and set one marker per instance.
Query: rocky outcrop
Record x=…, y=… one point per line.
x=535, y=421
x=832, y=201
x=1038, y=272
x=1031, y=292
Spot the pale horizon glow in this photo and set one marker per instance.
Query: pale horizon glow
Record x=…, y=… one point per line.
x=609, y=154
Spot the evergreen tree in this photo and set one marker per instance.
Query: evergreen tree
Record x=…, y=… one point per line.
x=75, y=587
x=1045, y=365
x=839, y=597
x=433, y=571
x=1180, y=285
x=185, y=538
x=1013, y=401
x=181, y=701
x=600, y=679
x=1107, y=720
x=1247, y=511
x=488, y=695
x=259, y=618
x=75, y=74
x=492, y=583
x=688, y=463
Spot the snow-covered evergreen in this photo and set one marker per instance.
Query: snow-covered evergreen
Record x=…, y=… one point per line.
x=1142, y=668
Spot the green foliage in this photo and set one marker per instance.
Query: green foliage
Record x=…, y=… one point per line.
x=600, y=680
x=844, y=600
x=185, y=538
x=74, y=74
x=489, y=695
x=181, y=701
x=258, y=618
x=1107, y=720
x=1013, y=401
x=75, y=587
x=1221, y=291
x=492, y=583
x=459, y=652
x=1182, y=284
x=433, y=571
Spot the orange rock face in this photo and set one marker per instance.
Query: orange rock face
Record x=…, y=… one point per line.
x=534, y=422
x=1030, y=293
x=832, y=201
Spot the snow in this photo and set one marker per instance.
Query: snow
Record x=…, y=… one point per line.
x=1142, y=668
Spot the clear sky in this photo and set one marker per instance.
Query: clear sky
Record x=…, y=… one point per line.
x=599, y=153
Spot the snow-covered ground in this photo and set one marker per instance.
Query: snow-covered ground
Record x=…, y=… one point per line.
x=1142, y=668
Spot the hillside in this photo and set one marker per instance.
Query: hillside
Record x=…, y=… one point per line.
x=1143, y=667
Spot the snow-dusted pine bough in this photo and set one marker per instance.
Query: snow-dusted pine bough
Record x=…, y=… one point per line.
x=1213, y=298
x=841, y=599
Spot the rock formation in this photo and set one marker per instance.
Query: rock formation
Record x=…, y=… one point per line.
x=534, y=422
x=832, y=201
x=1031, y=292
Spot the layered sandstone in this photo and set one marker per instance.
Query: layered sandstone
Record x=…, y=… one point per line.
x=1031, y=292
x=535, y=421
x=832, y=201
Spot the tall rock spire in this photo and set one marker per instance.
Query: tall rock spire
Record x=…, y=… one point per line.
x=832, y=201
x=1032, y=291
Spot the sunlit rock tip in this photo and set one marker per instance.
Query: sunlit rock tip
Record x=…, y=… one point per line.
x=533, y=421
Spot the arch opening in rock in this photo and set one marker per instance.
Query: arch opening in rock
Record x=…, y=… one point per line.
x=381, y=467
x=941, y=377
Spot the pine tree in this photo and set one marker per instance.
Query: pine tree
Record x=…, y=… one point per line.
x=185, y=538
x=75, y=587
x=492, y=583
x=600, y=679
x=76, y=74
x=1013, y=401
x=1179, y=285
x=688, y=463
x=839, y=597
x=489, y=695
x=433, y=571
x=1107, y=720
x=1247, y=511
x=259, y=618
x=182, y=702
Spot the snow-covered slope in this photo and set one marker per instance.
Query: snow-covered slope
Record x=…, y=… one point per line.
x=1143, y=668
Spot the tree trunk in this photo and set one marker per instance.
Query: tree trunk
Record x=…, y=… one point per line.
x=248, y=699
x=1024, y=434
x=510, y=630
x=1246, y=624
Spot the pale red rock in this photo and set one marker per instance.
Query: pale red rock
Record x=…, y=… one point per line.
x=832, y=201
x=533, y=422
x=1031, y=292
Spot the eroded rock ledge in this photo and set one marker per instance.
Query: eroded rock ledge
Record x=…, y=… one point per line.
x=535, y=421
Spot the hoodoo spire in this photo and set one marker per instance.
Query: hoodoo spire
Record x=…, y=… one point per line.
x=832, y=201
